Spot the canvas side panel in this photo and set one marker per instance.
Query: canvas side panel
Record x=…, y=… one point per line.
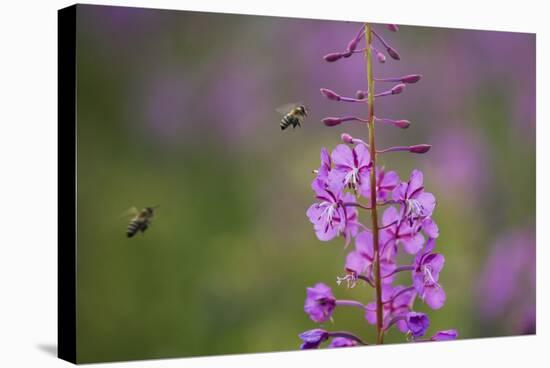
x=66, y=330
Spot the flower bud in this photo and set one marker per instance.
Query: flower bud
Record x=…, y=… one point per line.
x=332, y=121
x=346, y=138
x=332, y=56
x=403, y=124
x=393, y=53
x=392, y=27
x=347, y=54
x=411, y=78
x=360, y=95
x=381, y=57
x=445, y=335
x=330, y=94
x=352, y=45
x=420, y=148
x=397, y=89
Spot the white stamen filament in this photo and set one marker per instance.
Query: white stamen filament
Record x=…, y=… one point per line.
x=350, y=280
x=352, y=178
x=428, y=277
x=329, y=211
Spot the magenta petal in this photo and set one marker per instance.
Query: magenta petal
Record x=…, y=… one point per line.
x=437, y=261
x=390, y=180
x=364, y=245
x=370, y=313
x=325, y=233
x=390, y=215
x=400, y=192
x=342, y=156
x=434, y=296
x=427, y=201
x=363, y=155
x=356, y=263
x=313, y=213
x=445, y=335
x=412, y=244
x=336, y=178
x=319, y=187
x=415, y=182
x=430, y=228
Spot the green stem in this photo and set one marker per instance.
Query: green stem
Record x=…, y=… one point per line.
x=374, y=212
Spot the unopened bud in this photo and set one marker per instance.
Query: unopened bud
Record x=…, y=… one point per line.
x=360, y=95
x=381, y=57
x=411, y=78
x=397, y=89
x=393, y=53
x=392, y=27
x=332, y=57
x=347, y=54
x=330, y=94
x=420, y=148
x=332, y=121
x=403, y=124
x=346, y=138
x=352, y=45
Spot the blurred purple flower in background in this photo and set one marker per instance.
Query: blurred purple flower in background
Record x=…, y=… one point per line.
x=166, y=104
x=507, y=281
x=460, y=161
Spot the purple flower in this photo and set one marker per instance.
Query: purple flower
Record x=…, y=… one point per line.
x=329, y=217
x=401, y=232
x=342, y=342
x=417, y=204
x=425, y=274
x=320, y=303
x=326, y=164
x=397, y=302
x=385, y=184
x=360, y=261
x=313, y=338
x=351, y=166
x=445, y=335
x=417, y=323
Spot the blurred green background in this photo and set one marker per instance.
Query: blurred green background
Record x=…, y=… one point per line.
x=178, y=109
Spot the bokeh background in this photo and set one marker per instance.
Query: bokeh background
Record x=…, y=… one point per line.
x=178, y=109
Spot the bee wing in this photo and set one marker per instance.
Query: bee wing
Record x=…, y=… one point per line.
x=130, y=212
x=286, y=108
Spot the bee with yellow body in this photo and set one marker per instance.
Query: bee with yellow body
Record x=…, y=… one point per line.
x=294, y=114
x=141, y=220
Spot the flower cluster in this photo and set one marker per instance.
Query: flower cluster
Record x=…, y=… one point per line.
x=348, y=182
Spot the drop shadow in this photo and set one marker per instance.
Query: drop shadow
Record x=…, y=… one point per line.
x=50, y=349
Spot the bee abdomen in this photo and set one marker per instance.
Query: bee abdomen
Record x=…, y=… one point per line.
x=133, y=228
x=286, y=121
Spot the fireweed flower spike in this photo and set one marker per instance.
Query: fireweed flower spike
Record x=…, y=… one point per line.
x=349, y=181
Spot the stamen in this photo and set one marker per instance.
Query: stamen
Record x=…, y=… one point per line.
x=350, y=279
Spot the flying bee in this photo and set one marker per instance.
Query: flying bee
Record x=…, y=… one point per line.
x=141, y=220
x=294, y=115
